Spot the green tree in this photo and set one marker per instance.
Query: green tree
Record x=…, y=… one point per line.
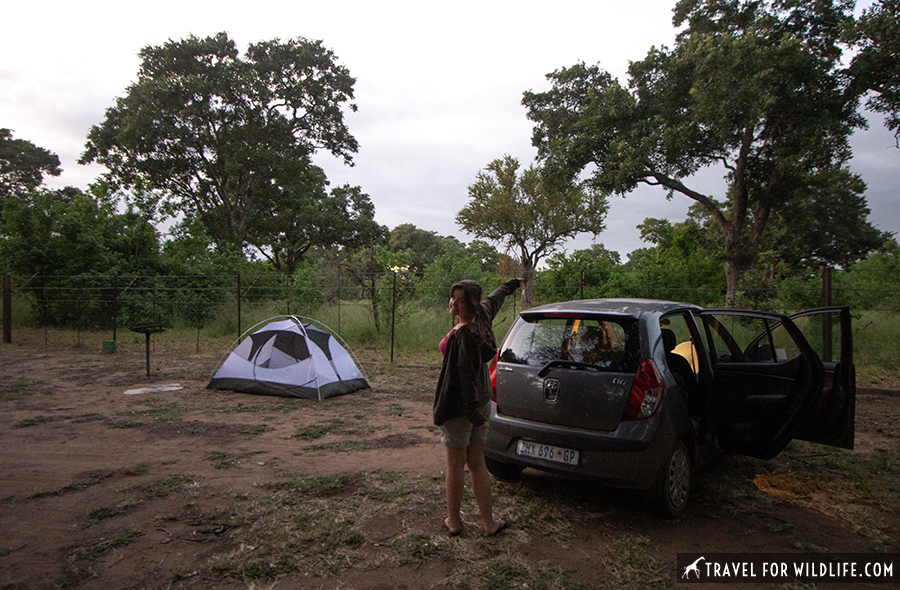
x=583, y=272
x=527, y=215
x=310, y=218
x=876, y=66
x=835, y=230
x=68, y=232
x=873, y=283
x=753, y=87
x=206, y=133
x=424, y=245
x=488, y=257
x=683, y=264
x=22, y=167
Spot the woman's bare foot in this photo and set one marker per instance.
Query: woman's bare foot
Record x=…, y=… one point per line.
x=454, y=531
x=497, y=526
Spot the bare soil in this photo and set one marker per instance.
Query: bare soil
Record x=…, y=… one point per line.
x=101, y=489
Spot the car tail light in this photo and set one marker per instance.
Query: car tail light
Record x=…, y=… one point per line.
x=646, y=393
x=493, y=370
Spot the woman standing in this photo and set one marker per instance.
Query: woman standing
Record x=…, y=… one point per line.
x=462, y=400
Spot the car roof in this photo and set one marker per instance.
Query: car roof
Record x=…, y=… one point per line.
x=631, y=307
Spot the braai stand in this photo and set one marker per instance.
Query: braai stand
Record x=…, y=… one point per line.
x=147, y=329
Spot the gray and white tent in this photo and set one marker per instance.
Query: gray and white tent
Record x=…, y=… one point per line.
x=291, y=357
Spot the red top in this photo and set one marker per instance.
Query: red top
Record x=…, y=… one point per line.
x=443, y=345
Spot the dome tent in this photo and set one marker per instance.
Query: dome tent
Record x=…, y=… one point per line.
x=290, y=357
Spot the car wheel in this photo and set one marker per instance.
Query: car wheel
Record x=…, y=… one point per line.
x=503, y=470
x=674, y=483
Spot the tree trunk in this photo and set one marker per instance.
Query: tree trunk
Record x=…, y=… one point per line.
x=732, y=282
x=527, y=282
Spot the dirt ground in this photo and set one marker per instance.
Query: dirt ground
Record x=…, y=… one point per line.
x=80, y=452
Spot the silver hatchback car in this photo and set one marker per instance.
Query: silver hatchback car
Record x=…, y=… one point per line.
x=632, y=392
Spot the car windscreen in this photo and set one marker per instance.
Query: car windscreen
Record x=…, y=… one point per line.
x=607, y=343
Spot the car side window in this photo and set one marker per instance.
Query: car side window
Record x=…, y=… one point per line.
x=748, y=339
x=683, y=343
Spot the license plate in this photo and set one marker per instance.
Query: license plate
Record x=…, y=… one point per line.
x=547, y=452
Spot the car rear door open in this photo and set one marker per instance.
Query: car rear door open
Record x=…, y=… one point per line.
x=831, y=419
x=766, y=379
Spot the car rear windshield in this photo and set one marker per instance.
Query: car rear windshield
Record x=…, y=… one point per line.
x=609, y=344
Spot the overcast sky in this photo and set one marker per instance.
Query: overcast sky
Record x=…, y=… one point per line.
x=439, y=88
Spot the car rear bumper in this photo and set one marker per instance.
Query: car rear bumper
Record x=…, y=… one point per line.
x=629, y=457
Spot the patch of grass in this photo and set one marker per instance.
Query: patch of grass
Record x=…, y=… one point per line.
x=856, y=487
x=319, y=486
x=157, y=488
x=308, y=526
x=508, y=571
x=219, y=520
x=18, y=389
x=223, y=460
x=126, y=423
x=76, y=486
x=347, y=446
x=386, y=486
x=398, y=410
x=630, y=564
x=541, y=510
x=139, y=469
x=415, y=546
x=283, y=536
x=92, y=417
x=336, y=426
x=98, y=514
x=97, y=549
x=33, y=421
x=164, y=486
x=256, y=429
x=285, y=407
x=162, y=411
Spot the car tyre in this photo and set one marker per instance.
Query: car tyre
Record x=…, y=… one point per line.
x=673, y=485
x=503, y=470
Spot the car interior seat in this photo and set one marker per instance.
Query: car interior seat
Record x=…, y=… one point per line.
x=680, y=367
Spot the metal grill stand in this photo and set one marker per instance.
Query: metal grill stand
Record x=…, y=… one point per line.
x=147, y=329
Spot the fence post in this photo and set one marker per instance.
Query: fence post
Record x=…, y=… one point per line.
x=238, y=275
x=115, y=305
x=393, y=313
x=7, y=309
x=826, y=318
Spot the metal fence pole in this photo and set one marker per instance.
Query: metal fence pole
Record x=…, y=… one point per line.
x=393, y=313
x=115, y=305
x=7, y=309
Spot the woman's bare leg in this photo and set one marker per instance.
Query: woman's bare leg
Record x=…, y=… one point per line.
x=481, y=488
x=456, y=462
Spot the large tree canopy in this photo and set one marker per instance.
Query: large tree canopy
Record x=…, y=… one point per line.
x=753, y=87
x=876, y=67
x=23, y=166
x=528, y=215
x=228, y=139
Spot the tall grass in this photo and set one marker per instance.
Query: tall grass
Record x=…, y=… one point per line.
x=876, y=348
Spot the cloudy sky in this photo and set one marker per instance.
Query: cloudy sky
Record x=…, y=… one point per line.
x=439, y=87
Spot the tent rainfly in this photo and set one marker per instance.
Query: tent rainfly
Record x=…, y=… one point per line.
x=290, y=358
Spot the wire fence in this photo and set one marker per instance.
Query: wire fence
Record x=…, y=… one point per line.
x=108, y=310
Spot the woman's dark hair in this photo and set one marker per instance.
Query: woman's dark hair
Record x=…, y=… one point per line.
x=481, y=323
